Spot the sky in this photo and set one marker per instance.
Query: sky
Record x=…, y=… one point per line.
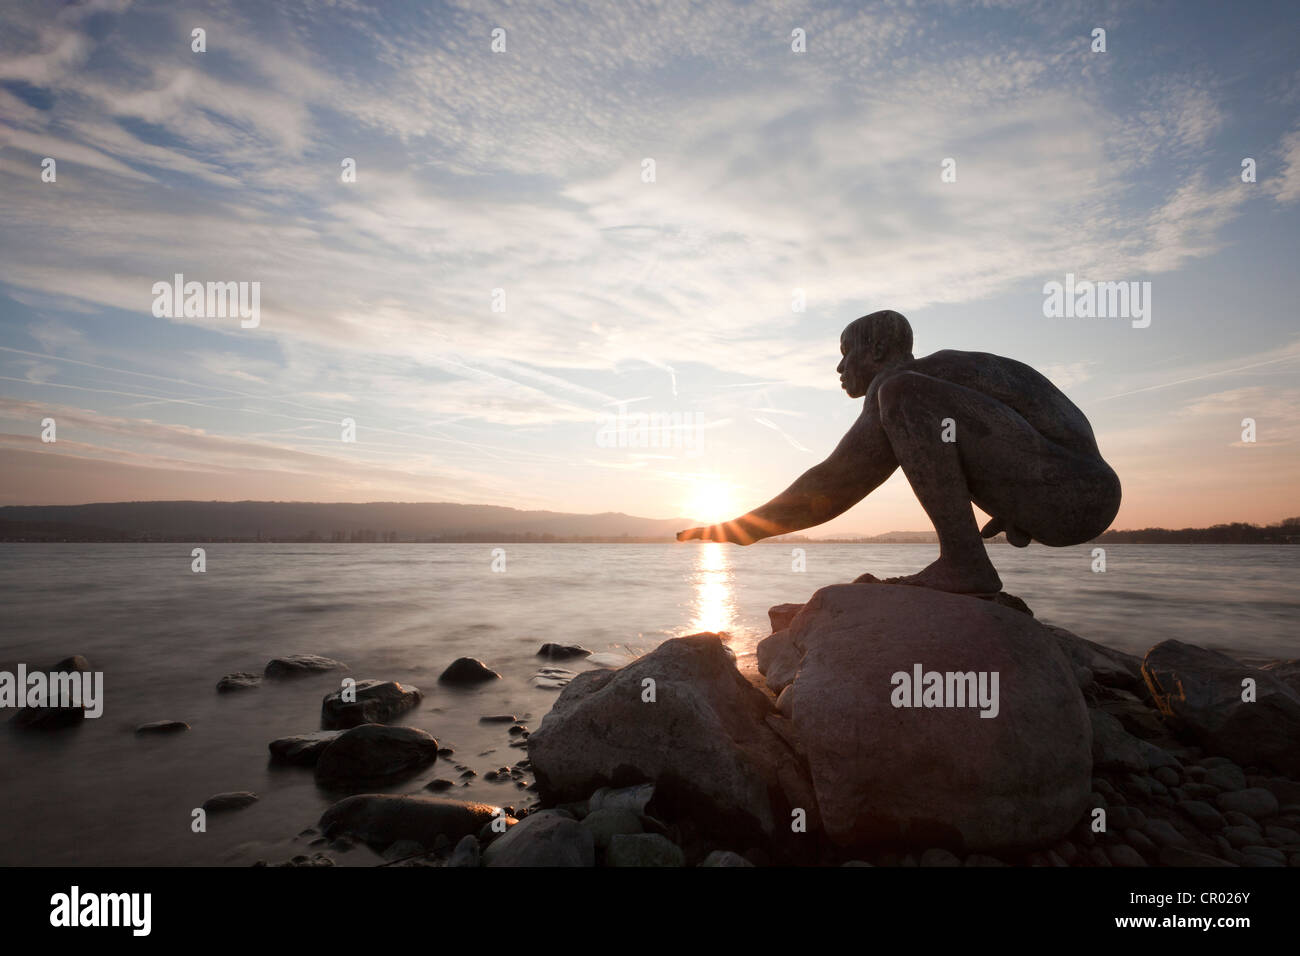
x=662, y=208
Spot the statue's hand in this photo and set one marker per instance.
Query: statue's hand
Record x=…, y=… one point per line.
x=713, y=532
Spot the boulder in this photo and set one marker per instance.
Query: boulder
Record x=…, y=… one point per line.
x=562, y=652
x=635, y=799
x=1263, y=856
x=1163, y=833
x=374, y=701
x=1125, y=818
x=381, y=819
x=240, y=680
x=1140, y=842
x=53, y=718
x=544, y=838
x=1286, y=791
x=778, y=660
x=375, y=754
x=466, y=853
x=1202, y=691
x=1123, y=855
x=467, y=671
x=1108, y=667
x=403, y=850
x=301, y=749
x=937, y=776
x=643, y=849
x=1167, y=777
x=234, y=800
x=1284, y=835
x=162, y=727
x=604, y=824
x=1255, y=802
x=703, y=742
x=782, y=614
x=299, y=665
x=1112, y=746
x=1001, y=598
x=1183, y=856
x=1237, y=820
x=725, y=858
x=1203, y=815
x=1226, y=778
x=1158, y=757
x=938, y=856
x=1288, y=672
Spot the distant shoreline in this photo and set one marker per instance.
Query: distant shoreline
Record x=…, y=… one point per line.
x=283, y=522
x=1121, y=537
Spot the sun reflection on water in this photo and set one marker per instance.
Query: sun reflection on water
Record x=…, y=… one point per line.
x=715, y=603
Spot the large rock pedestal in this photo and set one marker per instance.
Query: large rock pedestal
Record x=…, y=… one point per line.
x=936, y=775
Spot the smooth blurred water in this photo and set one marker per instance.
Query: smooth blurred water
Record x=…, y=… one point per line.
x=97, y=794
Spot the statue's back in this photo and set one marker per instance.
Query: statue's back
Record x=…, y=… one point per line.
x=1018, y=386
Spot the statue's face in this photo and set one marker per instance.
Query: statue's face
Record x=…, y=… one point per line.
x=857, y=367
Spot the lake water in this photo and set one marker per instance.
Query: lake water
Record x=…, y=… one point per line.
x=163, y=635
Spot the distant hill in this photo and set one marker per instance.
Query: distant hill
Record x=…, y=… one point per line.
x=389, y=521
x=310, y=521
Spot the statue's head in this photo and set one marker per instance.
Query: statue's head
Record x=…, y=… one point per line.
x=869, y=346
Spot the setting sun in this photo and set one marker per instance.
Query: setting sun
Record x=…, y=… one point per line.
x=710, y=500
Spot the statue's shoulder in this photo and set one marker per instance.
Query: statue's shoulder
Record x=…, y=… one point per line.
x=983, y=371
x=948, y=358
x=987, y=372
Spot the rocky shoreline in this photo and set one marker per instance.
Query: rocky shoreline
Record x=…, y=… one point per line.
x=884, y=725
x=1101, y=759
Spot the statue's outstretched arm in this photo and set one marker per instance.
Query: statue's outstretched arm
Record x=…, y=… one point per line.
x=859, y=464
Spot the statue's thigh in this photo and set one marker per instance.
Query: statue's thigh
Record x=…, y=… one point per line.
x=1013, y=471
x=1056, y=496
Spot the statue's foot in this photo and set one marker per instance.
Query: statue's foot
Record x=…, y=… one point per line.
x=955, y=579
